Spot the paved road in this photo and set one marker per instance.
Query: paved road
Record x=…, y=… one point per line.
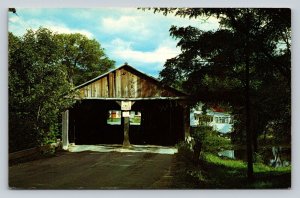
x=95, y=170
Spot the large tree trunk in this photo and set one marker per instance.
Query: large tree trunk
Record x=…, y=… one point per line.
x=248, y=121
x=248, y=130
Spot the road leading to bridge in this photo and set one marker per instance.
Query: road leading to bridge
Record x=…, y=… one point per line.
x=95, y=170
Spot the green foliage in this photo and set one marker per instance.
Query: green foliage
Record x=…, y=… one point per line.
x=185, y=152
x=83, y=57
x=213, y=172
x=204, y=109
x=43, y=67
x=213, y=66
x=237, y=164
x=210, y=140
x=245, y=63
x=204, y=140
x=48, y=151
x=205, y=119
x=37, y=87
x=53, y=134
x=232, y=172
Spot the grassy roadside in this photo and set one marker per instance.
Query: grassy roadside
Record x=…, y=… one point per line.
x=213, y=172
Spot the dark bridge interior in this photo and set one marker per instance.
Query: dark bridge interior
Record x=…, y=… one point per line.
x=161, y=123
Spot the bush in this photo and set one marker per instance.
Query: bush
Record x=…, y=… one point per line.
x=207, y=140
x=52, y=135
x=210, y=140
x=185, y=153
x=258, y=158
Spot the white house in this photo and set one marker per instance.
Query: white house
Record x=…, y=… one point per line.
x=220, y=121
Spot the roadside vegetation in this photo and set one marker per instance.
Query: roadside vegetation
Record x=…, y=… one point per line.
x=200, y=167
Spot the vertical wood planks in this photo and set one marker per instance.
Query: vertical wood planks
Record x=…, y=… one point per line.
x=132, y=85
x=105, y=87
x=124, y=83
x=97, y=88
x=118, y=83
x=81, y=93
x=111, y=85
x=93, y=90
x=135, y=86
x=138, y=87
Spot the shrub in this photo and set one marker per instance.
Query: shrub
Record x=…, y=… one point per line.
x=207, y=140
x=210, y=140
x=185, y=153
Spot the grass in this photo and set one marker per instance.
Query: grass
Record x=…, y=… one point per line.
x=214, y=172
x=136, y=120
x=232, y=174
x=213, y=159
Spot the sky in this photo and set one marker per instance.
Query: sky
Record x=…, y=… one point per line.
x=140, y=38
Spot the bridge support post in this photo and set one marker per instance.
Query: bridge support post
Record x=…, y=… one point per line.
x=126, y=124
x=65, y=129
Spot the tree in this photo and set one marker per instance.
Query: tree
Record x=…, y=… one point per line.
x=42, y=66
x=37, y=88
x=83, y=57
x=241, y=63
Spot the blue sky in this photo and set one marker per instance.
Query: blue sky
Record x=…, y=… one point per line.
x=140, y=38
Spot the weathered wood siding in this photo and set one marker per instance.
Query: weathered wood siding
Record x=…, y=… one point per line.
x=123, y=83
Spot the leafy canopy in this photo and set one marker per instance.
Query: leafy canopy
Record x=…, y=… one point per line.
x=83, y=57
x=41, y=71
x=212, y=64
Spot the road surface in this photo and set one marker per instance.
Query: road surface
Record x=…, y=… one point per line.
x=95, y=170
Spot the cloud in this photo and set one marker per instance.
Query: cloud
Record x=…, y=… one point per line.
x=202, y=22
x=138, y=37
x=125, y=24
x=66, y=30
x=119, y=44
x=124, y=50
x=13, y=19
x=146, y=26
x=19, y=26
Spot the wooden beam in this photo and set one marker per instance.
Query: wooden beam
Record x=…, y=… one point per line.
x=133, y=99
x=65, y=129
x=120, y=103
x=126, y=121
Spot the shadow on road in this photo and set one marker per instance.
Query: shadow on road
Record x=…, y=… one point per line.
x=106, y=167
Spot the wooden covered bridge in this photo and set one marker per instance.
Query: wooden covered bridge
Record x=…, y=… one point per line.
x=126, y=106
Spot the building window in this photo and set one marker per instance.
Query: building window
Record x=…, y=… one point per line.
x=204, y=118
x=135, y=117
x=114, y=117
x=222, y=120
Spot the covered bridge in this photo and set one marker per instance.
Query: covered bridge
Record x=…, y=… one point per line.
x=126, y=106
